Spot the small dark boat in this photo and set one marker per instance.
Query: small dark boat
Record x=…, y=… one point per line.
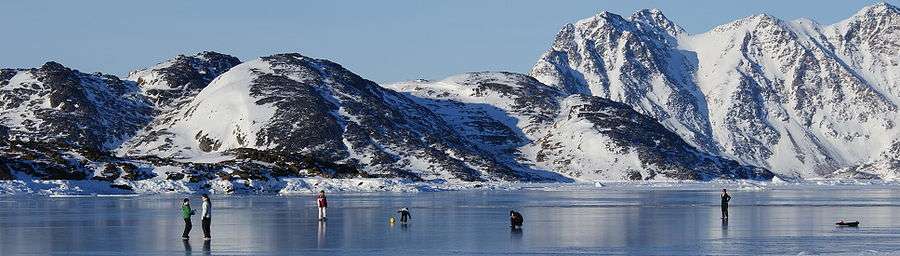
x=848, y=224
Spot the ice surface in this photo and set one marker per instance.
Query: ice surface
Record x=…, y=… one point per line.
x=645, y=218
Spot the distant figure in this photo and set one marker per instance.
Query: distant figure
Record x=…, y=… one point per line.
x=206, y=217
x=515, y=219
x=186, y=213
x=843, y=223
x=725, y=199
x=404, y=215
x=323, y=205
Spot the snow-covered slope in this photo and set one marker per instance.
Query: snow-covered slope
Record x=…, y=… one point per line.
x=169, y=83
x=55, y=104
x=292, y=103
x=796, y=97
x=523, y=121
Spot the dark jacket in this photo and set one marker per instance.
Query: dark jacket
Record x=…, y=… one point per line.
x=516, y=219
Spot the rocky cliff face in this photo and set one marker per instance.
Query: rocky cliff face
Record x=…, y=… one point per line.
x=796, y=97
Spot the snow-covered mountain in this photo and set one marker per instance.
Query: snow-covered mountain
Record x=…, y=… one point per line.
x=55, y=104
x=522, y=121
x=799, y=98
x=615, y=98
x=293, y=103
x=170, y=83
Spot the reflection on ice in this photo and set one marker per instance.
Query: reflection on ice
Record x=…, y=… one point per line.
x=187, y=247
x=320, y=235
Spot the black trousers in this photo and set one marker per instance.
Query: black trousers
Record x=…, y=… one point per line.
x=187, y=227
x=205, y=224
x=724, y=210
x=404, y=217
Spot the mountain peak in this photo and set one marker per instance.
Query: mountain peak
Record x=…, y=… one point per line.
x=182, y=76
x=53, y=65
x=656, y=18
x=655, y=13
x=213, y=54
x=602, y=17
x=876, y=12
x=762, y=17
x=879, y=8
x=751, y=23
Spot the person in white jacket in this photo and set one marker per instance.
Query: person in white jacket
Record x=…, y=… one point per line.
x=206, y=217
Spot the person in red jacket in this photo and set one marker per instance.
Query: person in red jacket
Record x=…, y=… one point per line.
x=323, y=204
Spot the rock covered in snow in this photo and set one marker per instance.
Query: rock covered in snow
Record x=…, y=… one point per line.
x=59, y=105
x=171, y=82
x=293, y=103
x=583, y=137
x=796, y=97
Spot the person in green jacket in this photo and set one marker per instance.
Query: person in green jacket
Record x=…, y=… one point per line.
x=186, y=213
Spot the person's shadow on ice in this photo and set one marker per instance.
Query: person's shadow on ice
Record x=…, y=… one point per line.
x=206, y=248
x=187, y=247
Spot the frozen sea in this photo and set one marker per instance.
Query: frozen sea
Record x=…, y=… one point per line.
x=624, y=219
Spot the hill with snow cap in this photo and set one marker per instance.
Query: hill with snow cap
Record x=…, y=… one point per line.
x=293, y=103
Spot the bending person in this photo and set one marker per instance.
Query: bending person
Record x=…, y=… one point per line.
x=404, y=215
x=515, y=219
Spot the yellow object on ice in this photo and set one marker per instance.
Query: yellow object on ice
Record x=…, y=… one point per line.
x=391, y=220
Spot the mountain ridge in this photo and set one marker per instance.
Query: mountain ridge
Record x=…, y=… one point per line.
x=615, y=98
x=767, y=92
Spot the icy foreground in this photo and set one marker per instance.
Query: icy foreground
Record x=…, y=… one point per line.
x=615, y=99
x=573, y=219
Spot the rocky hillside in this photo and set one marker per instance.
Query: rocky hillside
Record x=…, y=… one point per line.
x=615, y=98
x=292, y=103
x=523, y=121
x=56, y=104
x=799, y=98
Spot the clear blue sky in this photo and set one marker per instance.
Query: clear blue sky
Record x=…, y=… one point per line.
x=381, y=40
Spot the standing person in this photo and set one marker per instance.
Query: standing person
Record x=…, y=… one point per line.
x=206, y=217
x=725, y=199
x=404, y=215
x=186, y=213
x=515, y=219
x=323, y=205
